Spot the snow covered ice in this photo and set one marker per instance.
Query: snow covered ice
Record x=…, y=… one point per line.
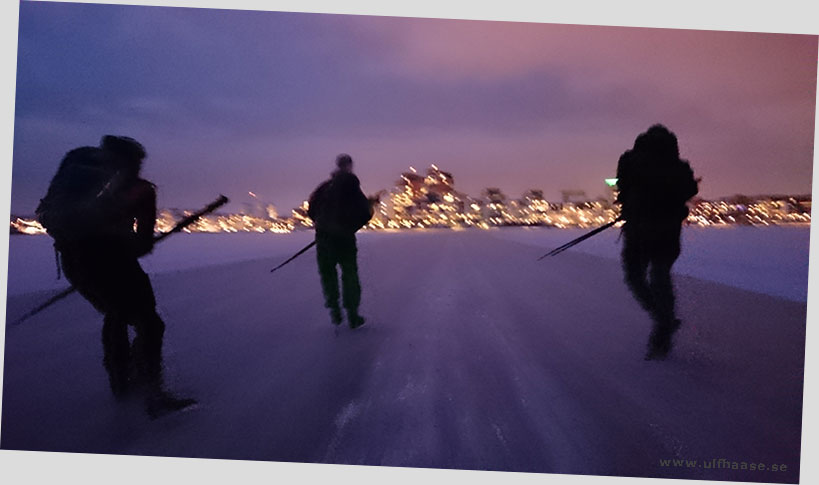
x=474, y=356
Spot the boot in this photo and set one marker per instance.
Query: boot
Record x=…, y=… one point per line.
x=162, y=403
x=335, y=315
x=355, y=319
x=660, y=340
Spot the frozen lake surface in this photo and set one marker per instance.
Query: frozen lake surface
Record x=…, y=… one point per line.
x=770, y=260
x=474, y=356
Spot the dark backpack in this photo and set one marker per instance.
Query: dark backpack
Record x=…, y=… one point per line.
x=71, y=204
x=654, y=189
x=338, y=206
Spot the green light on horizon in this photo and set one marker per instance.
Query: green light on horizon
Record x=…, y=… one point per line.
x=611, y=182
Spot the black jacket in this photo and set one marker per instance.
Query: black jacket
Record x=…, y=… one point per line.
x=338, y=206
x=653, y=189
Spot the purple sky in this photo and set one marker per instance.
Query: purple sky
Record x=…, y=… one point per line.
x=237, y=101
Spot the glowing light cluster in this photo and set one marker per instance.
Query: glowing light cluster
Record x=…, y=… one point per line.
x=763, y=211
x=431, y=201
x=27, y=226
x=225, y=223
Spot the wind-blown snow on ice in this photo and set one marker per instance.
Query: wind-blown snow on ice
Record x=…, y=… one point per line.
x=770, y=260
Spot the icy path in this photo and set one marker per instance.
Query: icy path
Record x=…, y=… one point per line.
x=474, y=357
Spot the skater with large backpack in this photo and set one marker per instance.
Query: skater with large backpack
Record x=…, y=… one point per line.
x=101, y=215
x=339, y=208
x=654, y=185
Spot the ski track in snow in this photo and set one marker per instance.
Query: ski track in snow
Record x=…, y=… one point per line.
x=473, y=356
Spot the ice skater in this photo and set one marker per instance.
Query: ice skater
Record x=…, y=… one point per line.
x=654, y=185
x=101, y=215
x=339, y=208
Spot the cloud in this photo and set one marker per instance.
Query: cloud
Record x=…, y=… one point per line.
x=273, y=96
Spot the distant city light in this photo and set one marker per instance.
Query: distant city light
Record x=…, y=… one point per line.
x=432, y=202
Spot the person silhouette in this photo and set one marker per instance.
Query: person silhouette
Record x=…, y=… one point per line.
x=654, y=185
x=339, y=208
x=101, y=215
